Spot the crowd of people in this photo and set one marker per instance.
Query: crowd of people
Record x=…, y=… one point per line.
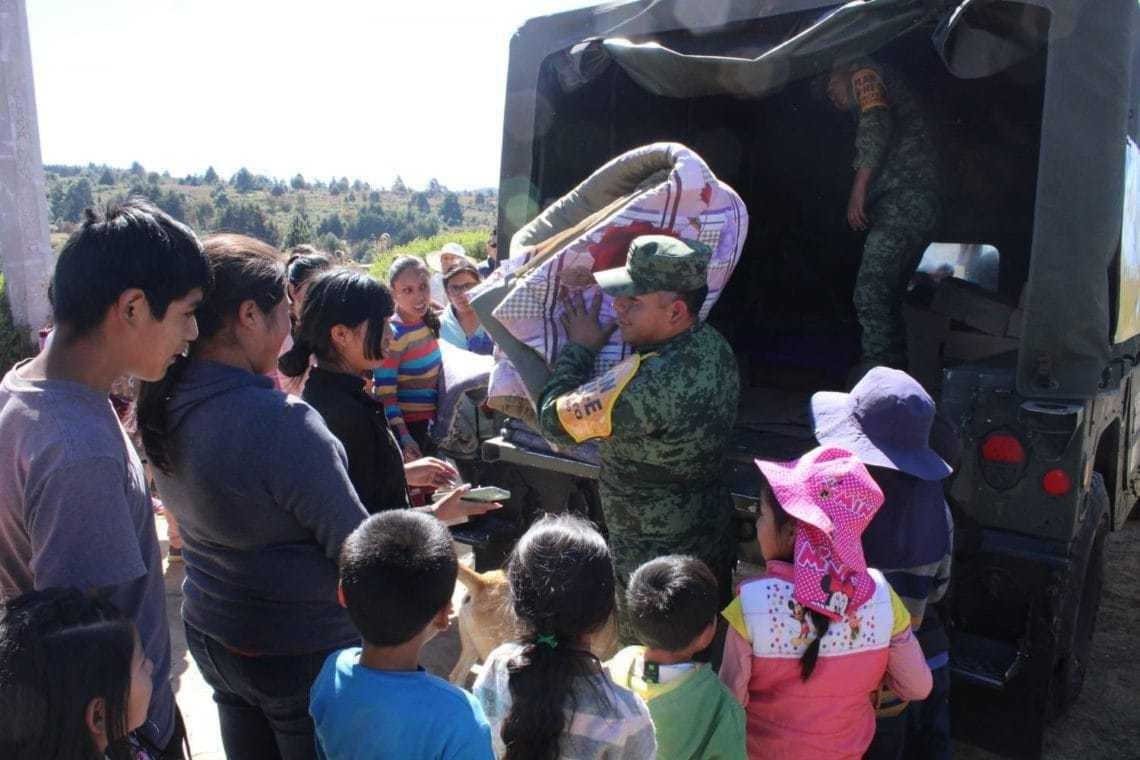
x=284, y=418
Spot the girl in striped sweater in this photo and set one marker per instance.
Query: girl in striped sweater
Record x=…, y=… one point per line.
x=407, y=381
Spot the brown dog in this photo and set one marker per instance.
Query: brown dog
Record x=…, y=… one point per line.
x=487, y=620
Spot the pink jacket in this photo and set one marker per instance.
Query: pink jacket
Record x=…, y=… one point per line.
x=831, y=714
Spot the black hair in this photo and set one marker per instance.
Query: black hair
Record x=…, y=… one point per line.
x=59, y=649
x=561, y=576
x=131, y=245
x=243, y=269
x=338, y=297
x=404, y=264
x=819, y=621
x=304, y=261
x=459, y=269
x=671, y=601
x=694, y=300
x=397, y=571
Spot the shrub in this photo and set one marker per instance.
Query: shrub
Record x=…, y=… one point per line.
x=473, y=240
x=15, y=344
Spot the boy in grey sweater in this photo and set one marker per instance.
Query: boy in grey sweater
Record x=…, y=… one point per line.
x=74, y=505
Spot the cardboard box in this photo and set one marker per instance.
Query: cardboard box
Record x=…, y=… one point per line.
x=969, y=346
x=973, y=306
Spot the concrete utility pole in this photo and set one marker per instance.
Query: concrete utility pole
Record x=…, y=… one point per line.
x=25, y=246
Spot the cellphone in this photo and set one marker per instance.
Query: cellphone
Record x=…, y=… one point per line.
x=487, y=493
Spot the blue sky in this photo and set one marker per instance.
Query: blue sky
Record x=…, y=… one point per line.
x=336, y=88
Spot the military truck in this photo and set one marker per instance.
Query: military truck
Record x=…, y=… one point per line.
x=1025, y=325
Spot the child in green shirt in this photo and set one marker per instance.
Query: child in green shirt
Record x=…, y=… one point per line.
x=673, y=608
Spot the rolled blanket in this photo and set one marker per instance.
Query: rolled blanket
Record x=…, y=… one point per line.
x=664, y=188
x=462, y=372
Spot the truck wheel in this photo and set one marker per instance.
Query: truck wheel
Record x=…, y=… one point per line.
x=1081, y=605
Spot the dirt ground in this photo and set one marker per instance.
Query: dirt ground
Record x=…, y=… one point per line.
x=1104, y=723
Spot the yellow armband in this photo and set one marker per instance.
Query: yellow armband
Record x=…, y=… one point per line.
x=870, y=91
x=587, y=412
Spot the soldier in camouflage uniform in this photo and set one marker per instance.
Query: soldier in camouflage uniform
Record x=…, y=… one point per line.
x=663, y=416
x=894, y=197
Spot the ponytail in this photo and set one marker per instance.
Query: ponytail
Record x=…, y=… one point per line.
x=562, y=589
x=541, y=682
x=295, y=361
x=152, y=415
x=431, y=319
x=821, y=623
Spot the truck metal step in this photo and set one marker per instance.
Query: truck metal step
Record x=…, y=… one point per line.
x=486, y=530
x=983, y=661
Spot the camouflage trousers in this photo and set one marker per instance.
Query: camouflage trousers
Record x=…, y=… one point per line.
x=902, y=222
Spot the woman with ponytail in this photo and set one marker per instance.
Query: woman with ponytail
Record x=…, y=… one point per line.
x=811, y=640
x=304, y=263
x=261, y=491
x=547, y=696
x=344, y=327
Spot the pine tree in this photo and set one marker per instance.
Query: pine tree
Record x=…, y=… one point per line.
x=299, y=231
x=78, y=199
x=450, y=212
x=243, y=181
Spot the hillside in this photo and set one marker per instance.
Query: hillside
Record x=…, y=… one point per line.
x=337, y=214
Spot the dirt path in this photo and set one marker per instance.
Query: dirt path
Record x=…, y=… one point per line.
x=1105, y=722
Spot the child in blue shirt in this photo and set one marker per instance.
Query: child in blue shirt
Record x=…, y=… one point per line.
x=397, y=574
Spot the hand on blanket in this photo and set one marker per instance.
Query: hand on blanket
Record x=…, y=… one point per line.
x=581, y=323
x=430, y=472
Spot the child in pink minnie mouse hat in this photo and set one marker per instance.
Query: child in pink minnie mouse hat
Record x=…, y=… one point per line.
x=811, y=640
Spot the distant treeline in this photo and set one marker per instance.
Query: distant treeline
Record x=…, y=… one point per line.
x=333, y=215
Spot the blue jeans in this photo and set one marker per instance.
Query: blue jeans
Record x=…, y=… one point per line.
x=263, y=702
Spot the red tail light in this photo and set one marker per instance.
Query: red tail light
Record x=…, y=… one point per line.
x=1003, y=459
x=1056, y=483
x=1003, y=448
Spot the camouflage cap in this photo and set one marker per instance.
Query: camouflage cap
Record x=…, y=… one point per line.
x=658, y=262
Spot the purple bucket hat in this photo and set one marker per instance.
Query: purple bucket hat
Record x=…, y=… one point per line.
x=885, y=420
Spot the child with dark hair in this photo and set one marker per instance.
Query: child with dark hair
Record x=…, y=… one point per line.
x=408, y=379
x=546, y=695
x=673, y=605
x=811, y=639
x=344, y=324
x=888, y=420
x=397, y=574
x=74, y=679
x=75, y=509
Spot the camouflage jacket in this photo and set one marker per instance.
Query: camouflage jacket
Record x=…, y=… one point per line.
x=660, y=481
x=892, y=136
